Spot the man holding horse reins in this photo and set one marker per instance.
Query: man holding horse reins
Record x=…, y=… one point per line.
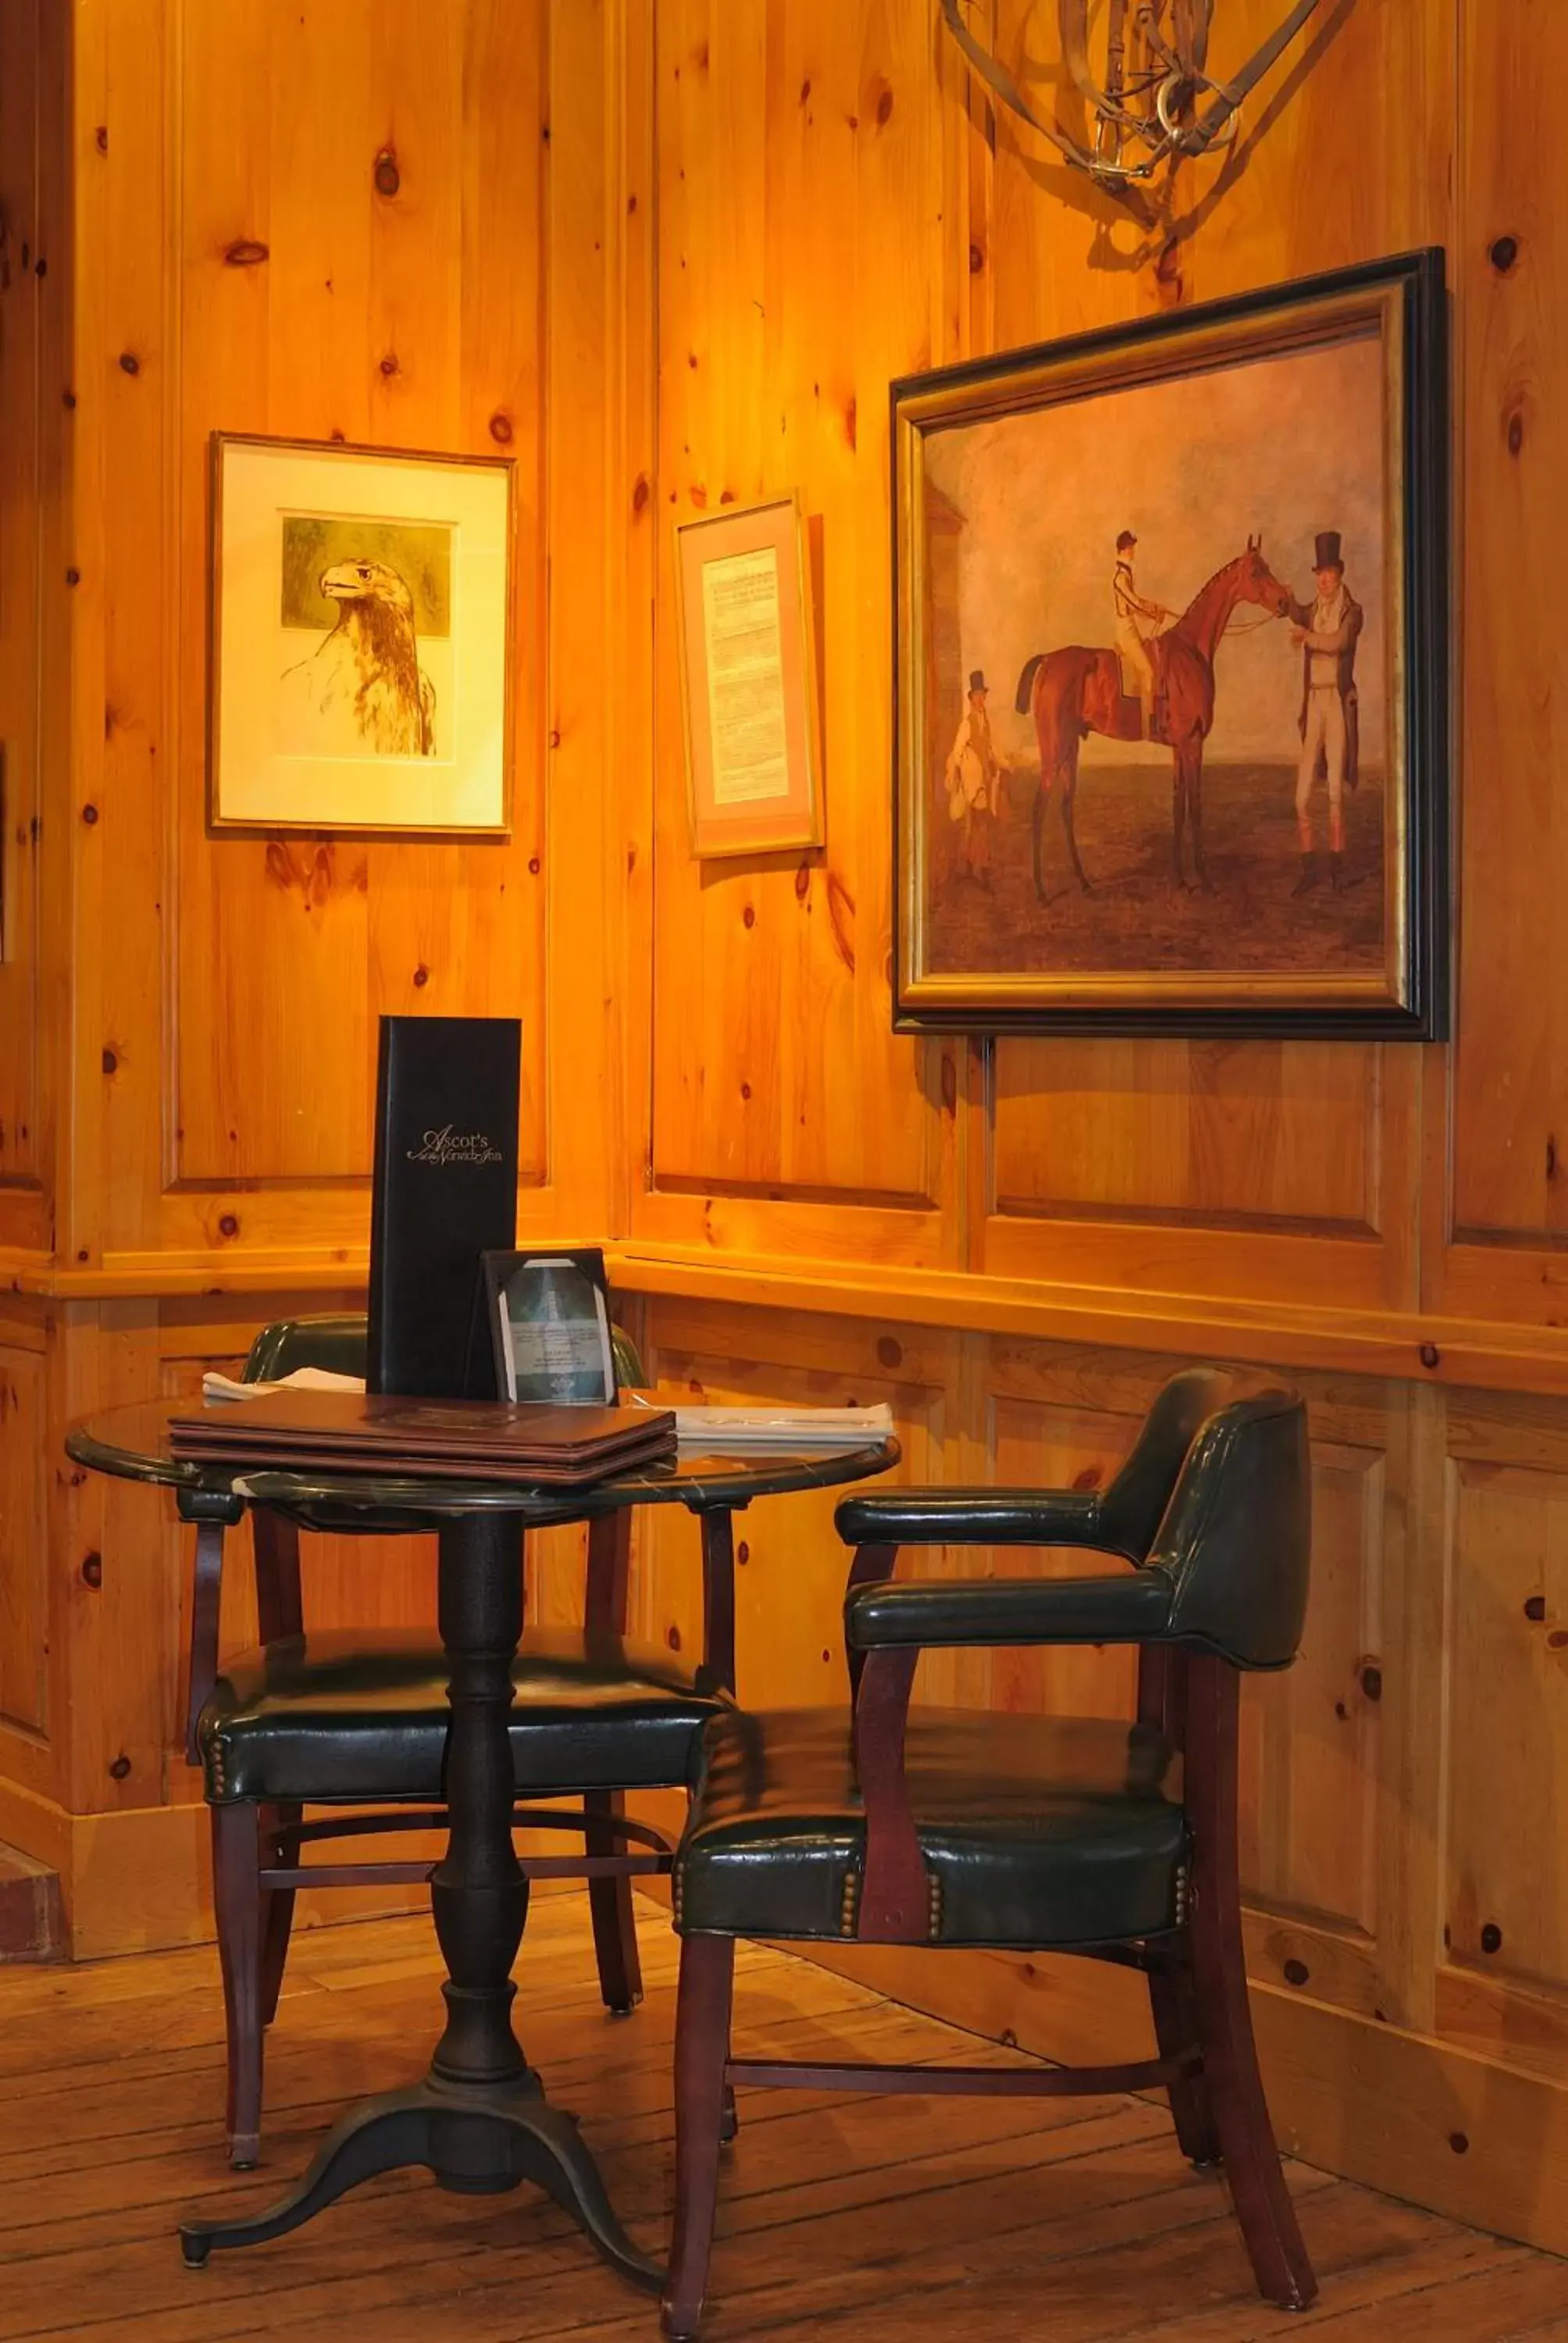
x=1137, y=619
x=1327, y=630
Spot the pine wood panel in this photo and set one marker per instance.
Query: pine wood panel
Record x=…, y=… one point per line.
x=790, y=1561
x=24, y=1543
x=797, y=170
x=1056, y=1446
x=1310, y=1836
x=217, y=290
x=391, y=305
x=1510, y=1103
x=26, y=297
x=1508, y=1910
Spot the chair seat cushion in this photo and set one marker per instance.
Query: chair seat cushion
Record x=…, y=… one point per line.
x=342, y=1716
x=1039, y=1831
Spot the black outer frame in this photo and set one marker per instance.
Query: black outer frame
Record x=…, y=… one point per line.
x=495, y=1268
x=1427, y=1016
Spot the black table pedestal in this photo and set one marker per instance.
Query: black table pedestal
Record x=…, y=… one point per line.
x=479, y=2121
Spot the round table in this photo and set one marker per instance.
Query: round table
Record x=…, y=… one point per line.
x=479, y=2120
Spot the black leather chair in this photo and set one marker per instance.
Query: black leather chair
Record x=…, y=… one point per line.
x=358, y=1718
x=1116, y=1841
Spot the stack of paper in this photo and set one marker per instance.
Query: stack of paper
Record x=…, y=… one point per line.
x=216, y=1386
x=715, y=1428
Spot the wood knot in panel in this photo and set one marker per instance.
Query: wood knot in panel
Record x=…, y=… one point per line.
x=841, y=919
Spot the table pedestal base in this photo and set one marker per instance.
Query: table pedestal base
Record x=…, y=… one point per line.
x=477, y=2141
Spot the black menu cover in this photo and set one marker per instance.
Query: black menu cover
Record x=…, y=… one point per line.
x=446, y=1190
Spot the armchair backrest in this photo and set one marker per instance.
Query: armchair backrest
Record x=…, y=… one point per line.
x=1134, y=1503
x=1235, y=1541
x=336, y=1345
x=340, y=1346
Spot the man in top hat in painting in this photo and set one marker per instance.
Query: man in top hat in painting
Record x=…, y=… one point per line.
x=972, y=773
x=1137, y=619
x=1326, y=629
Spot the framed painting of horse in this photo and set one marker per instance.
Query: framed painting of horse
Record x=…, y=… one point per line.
x=1171, y=667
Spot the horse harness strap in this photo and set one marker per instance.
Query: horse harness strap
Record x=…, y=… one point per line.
x=1184, y=76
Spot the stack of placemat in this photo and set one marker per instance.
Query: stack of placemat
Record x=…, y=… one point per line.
x=430, y=1439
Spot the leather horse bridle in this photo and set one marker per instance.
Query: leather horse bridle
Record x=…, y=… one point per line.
x=1190, y=111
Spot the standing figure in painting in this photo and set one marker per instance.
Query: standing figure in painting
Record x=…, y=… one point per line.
x=362, y=690
x=1137, y=621
x=1327, y=630
x=971, y=774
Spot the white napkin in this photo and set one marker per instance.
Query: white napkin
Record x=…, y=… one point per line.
x=776, y=1427
x=216, y=1386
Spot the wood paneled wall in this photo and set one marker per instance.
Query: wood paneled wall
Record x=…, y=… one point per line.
x=668, y=254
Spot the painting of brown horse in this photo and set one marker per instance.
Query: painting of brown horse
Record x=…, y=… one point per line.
x=1077, y=690
x=1185, y=555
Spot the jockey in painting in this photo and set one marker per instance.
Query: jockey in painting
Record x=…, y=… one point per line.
x=1137, y=621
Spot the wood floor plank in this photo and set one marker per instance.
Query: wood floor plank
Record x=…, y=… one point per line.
x=893, y=2218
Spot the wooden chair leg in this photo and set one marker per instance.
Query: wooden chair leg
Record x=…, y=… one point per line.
x=278, y=1923
x=236, y=1896
x=702, y=2049
x=1247, y=2144
x=1174, y=2007
x=610, y=1908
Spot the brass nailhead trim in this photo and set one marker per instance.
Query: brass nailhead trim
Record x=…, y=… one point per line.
x=1181, y=1895
x=848, y=1902
x=934, y=1907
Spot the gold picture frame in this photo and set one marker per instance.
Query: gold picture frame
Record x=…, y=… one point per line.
x=360, y=640
x=1284, y=457
x=745, y=628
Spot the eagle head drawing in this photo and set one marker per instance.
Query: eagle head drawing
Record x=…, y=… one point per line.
x=363, y=687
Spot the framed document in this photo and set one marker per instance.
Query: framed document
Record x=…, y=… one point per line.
x=549, y=1326
x=359, y=632
x=747, y=680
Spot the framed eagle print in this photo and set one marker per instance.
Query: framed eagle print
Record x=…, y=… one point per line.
x=1172, y=710
x=359, y=633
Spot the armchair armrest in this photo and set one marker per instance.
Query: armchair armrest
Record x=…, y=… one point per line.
x=975, y=1517
x=1002, y=1611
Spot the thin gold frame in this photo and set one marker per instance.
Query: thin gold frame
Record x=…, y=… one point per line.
x=795, y=831
x=1401, y=302
x=223, y=825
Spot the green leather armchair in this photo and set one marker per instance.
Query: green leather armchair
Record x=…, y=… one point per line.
x=1111, y=1840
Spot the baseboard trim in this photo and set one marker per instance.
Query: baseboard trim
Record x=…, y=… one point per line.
x=139, y=1880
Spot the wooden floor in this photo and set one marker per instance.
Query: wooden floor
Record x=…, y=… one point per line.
x=840, y=2217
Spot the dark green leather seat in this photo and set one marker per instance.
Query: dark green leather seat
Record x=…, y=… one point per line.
x=1033, y=1830
x=892, y=1824
x=344, y=1717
